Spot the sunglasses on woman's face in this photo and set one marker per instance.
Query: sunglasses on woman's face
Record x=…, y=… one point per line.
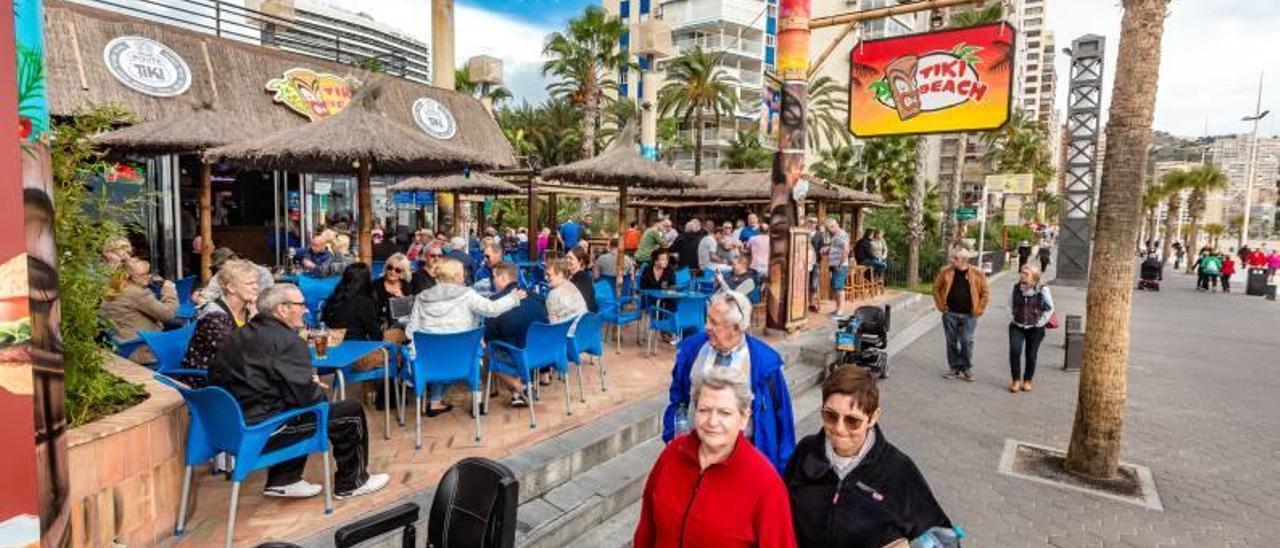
x=831, y=417
x=396, y=270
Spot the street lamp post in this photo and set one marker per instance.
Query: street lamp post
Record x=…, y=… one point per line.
x=1250, y=168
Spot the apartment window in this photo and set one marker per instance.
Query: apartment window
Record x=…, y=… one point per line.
x=770, y=40
x=1031, y=78
x=1033, y=45
x=1033, y=68
x=1031, y=91
x=1033, y=56
x=624, y=9
x=644, y=7
x=1034, y=11
x=1033, y=34
x=773, y=11
x=1033, y=22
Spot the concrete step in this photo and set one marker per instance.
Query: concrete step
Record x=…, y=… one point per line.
x=615, y=532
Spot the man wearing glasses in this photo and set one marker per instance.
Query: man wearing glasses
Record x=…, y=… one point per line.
x=422, y=279
x=727, y=344
x=267, y=368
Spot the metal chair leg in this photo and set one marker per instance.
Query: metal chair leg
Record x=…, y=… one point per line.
x=401, y=394
x=603, y=388
x=328, y=485
x=386, y=391
x=568, y=387
x=231, y=520
x=582, y=391
x=533, y=423
x=475, y=410
x=182, y=505
x=488, y=389
x=417, y=420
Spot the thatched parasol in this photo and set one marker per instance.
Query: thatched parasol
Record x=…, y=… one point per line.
x=361, y=137
x=621, y=166
x=471, y=182
x=204, y=127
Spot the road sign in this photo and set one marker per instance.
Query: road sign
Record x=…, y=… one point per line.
x=1018, y=183
x=966, y=213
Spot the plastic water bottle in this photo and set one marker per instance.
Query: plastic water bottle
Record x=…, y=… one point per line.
x=682, y=420
x=939, y=537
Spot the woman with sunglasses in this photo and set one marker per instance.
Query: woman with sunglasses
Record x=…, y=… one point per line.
x=849, y=486
x=396, y=282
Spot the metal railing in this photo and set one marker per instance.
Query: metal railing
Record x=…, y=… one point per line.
x=369, y=48
x=720, y=43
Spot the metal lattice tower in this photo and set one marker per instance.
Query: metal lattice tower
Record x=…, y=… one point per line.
x=1084, y=115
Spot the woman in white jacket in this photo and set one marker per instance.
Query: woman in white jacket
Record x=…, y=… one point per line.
x=451, y=307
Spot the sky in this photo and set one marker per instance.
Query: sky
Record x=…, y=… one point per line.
x=1212, y=53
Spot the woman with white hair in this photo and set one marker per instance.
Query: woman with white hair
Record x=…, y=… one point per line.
x=711, y=487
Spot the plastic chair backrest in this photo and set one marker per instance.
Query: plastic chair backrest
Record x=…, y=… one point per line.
x=587, y=338
x=545, y=344
x=217, y=423
x=683, y=277
x=315, y=291
x=170, y=347
x=447, y=356
x=474, y=506
x=872, y=320
x=184, y=287
x=690, y=314
x=604, y=293
x=754, y=296
x=377, y=268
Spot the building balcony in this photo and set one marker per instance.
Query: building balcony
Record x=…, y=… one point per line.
x=681, y=14
x=722, y=43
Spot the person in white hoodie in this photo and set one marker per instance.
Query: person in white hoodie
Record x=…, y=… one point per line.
x=452, y=307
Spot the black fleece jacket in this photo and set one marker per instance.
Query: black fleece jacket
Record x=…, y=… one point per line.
x=267, y=368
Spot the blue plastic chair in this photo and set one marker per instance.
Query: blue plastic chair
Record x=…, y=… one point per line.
x=170, y=347
x=376, y=269
x=186, y=306
x=217, y=426
x=124, y=349
x=613, y=311
x=544, y=346
x=683, y=279
x=315, y=291
x=588, y=338
x=443, y=358
x=706, y=282
x=689, y=315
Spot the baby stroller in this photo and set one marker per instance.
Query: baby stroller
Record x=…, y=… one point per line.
x=862, y=340
x=1150, y=274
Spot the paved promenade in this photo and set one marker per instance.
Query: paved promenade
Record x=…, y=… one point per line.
x=1203, y=415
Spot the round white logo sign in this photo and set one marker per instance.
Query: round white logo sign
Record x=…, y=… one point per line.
x=147, y=66
x=434, y=119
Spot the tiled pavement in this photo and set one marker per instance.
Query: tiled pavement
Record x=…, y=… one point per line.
x=1202, y=414
x=446, y=439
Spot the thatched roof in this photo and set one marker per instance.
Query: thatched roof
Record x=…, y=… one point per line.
x=362, y=132
x=621, y=165
x=473, y=183
x=228, y=73
x=203, y=128
x=749, y=186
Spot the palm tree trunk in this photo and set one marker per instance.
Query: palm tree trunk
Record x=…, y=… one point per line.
x=915, y=217
x=1098, y=431
x=1193, y=236
x=697, y=145
x=1174, y=210
x=591, y=113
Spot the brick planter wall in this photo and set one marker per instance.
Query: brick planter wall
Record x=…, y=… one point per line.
x=126, y=469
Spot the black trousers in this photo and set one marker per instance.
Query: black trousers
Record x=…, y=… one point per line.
x=1021, y=340
x=1226, y=282
x=348, y=437
x=1044, y=264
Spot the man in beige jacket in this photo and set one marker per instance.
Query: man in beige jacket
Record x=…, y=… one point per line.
x=960, y=293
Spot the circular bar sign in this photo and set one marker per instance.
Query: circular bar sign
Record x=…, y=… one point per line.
x=434, y=118
x=147, y=66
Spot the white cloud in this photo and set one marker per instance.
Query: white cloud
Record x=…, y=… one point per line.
x=476, y=31
x=1210, y=59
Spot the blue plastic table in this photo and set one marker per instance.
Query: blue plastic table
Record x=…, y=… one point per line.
x=341, y=358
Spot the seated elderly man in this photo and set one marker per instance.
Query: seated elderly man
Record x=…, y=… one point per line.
x=727, y=344
x=512, y=326
x=267, y=368
x=316, y=258
x=457, y=250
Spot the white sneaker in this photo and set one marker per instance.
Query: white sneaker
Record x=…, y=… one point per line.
x=375, y=483
x=300, y=489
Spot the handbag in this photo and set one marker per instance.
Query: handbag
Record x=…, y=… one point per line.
x=1054, y=322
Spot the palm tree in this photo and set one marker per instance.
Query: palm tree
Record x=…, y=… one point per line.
x=1151, y=200
x=978, y=16
x=1215, y=231
x=547, y=135
x=671, y=140
x=746, y=152
x=582, y=61
x=1201, y=179
x=462, y=82
x=838, y=165
x=827, y=114
x=1173, y=184
x=696, y=87
x=889, y=165
x=1098, y=431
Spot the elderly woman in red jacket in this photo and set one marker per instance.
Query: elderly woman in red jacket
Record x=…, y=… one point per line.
x=711, y=487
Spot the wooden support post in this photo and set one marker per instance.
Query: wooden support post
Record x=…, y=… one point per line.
x=364, y=197
x=457, y=216
x=622, y=226
x=206, y=222
x=552, y=208
x=533, y=219
x=480, y=221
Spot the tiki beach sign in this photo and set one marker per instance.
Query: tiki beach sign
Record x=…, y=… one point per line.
x=316, y=95
x=948, y=81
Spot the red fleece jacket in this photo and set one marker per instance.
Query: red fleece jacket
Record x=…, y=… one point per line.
x=738, y=502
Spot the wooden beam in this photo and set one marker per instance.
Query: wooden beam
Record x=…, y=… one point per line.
x=206, y=221
x=364, y=197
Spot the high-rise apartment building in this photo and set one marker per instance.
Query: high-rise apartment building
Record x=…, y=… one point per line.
x=743, y=36
x=1231, y=155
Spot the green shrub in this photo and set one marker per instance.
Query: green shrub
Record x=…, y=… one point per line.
x=84, y=222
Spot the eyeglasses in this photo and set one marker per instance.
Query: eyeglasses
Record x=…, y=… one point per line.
x=396, y=270
x=830, y=418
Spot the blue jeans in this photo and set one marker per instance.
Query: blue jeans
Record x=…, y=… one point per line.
x=959, y=332
x=1020, y=339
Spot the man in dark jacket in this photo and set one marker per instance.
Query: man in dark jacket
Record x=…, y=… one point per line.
x=849, y=486
x=686, y=245
x=458, y=252
x=267, y=368
x=512, y=326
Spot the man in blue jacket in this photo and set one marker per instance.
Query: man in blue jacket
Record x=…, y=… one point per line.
x=727, y=344
x=512, y=326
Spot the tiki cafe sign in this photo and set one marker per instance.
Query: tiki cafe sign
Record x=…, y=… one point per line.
x=316, y=95
x=949, y=81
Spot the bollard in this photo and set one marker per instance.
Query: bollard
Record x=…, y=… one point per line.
x=1074, y=328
